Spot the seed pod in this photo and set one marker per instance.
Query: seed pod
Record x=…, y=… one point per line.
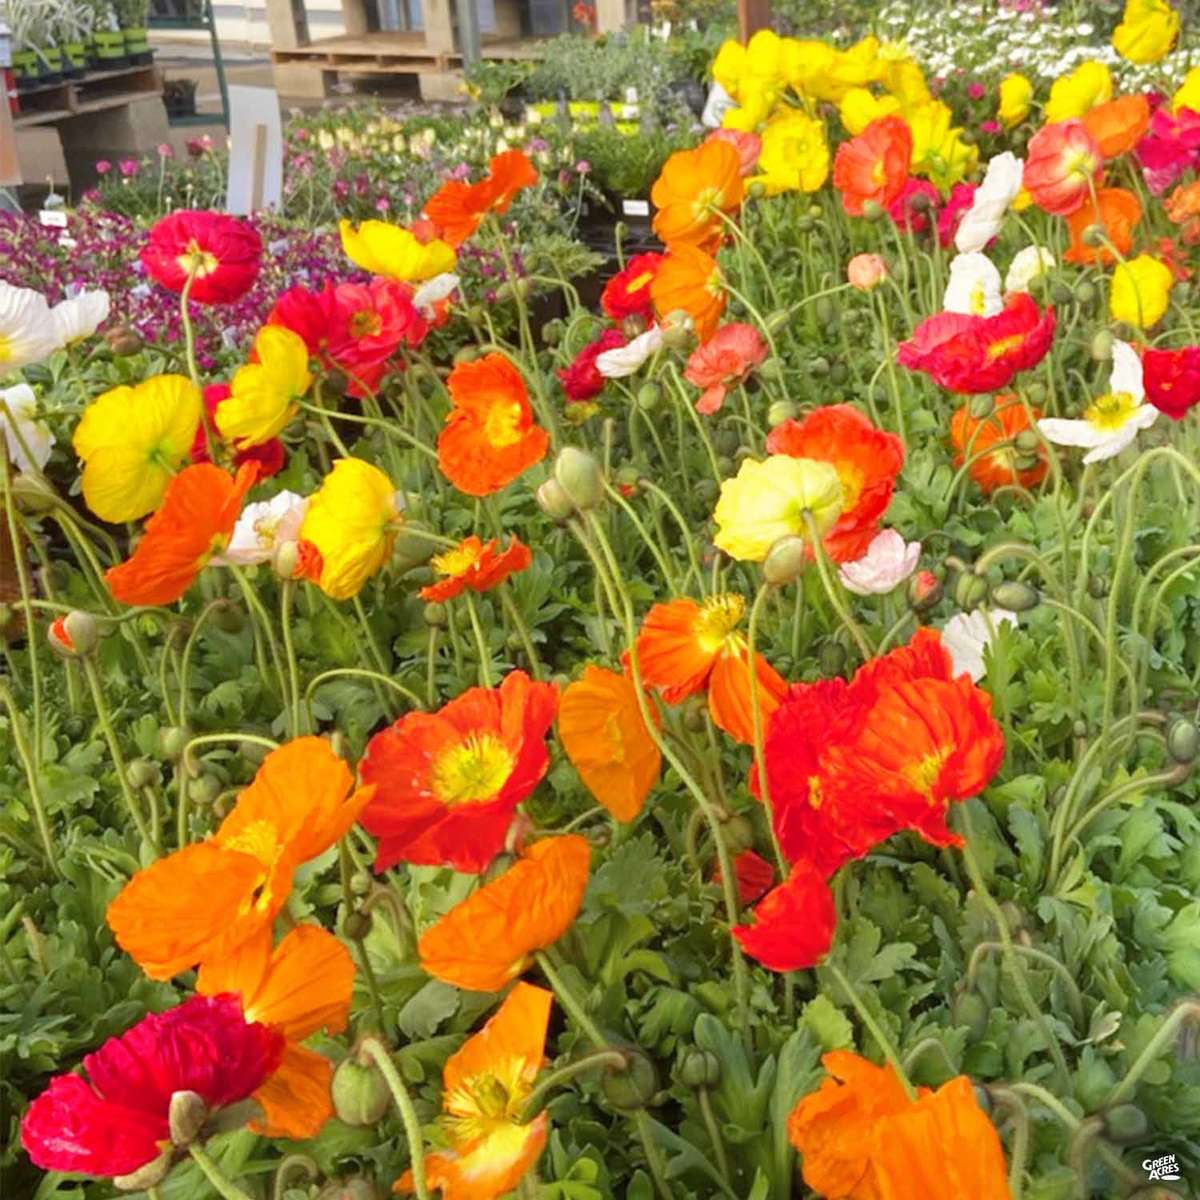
x=700, y=1069
x=782, y=410
x=1015, y=596
x=1183, y=740
x=632, y=1087
x=357, y=925
x=359, y=1092
x=785, y=561
x=1125, y=1124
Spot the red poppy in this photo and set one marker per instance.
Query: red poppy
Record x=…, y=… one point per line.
x=1172, y=379
x=753, y=874
x=915, y=206
x=867, y=461
x=874, y=165
x=1062, y=164
x=475, y=565
x=970, y=354
x=962, y=196
x=117, y=1120
x=627, y=293
x=582, y=380
x=269, y=455
x=456, y=208
x=218, y=253
x=792, y=929
x=448, y=783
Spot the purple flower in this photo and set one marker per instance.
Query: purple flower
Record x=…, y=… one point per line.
x=103, y=166
x=129, y=167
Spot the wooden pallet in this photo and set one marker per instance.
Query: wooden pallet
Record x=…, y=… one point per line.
x=47, y=104
x=394, y=54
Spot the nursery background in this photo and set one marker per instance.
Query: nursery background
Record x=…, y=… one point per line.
x=634, y=635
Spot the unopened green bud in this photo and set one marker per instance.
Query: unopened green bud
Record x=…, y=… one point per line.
x=756, y=189
x=579, y=475
x=75, y=635
x=970, y=1011
x=413, y=546
x=627, y=477
x=648, y=396
x=435, y=615
x=738, y=832
x=694, y=710
x=785, y=560
x=359, y=1092
x=1102, y=346
x=357, y=925
x=982, y=406
x=286, y=560
x=147, y=1176
x=824, y=309
x=678, y=330
x=204, y=789
x=925, y=590
x=706, y=490
x=1085, y=292
x=873, y=210
x=782, y=410
x=1060, y=293
x=1014, y=596
x=832, y=658
x=1093, y=236
x=554, y=501
x=123, y=341
x=143, y=773
x=632, y=1087
x=361, y=883
x=466, y=354
x=552, y=332
x=1098, y=586
x=839, y=373
x=229, y=617
x=1027, y=442
x=778, y=320
x=1125, y=1124
x=819, y=367
x=700, y=1069
x=1183, y=740
x=172, y=741
x=186, y=1115
x=1035, y=392
x=970, y=591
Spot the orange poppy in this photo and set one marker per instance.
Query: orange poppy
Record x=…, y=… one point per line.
x=862, y=1138
x=1119, y=125
x=692, y=191
x=300, y=987
x=486, y=1084
x=457, y=208
x=203, y=901
x=490, y=435
x=867, y=461
x=874, y=165
x=689, y=280
x=975, y=437
x=194, y=522
x=1116, y=211
x=601, y=728
x=491, y=937
x=685, y=646
x=476, y=565
x=1183, y=208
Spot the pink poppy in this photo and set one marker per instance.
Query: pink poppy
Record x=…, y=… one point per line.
x=962, y=196
x=725, y=359
x=909, y=213
x=747, y=145
x=1170, y=147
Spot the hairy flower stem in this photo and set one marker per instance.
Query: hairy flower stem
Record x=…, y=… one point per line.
x=408, y=1114
x=225, y=1187
x=23, y=582
x=32, y=779
x=287, y=595
x=832, y=591
x=513, y=613
x=481, y=645
x=1187, y=1011
x=599, y=1060
x=873, y=1028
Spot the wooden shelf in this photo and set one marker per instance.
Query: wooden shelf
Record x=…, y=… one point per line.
x=394, y=53
x=96, y=91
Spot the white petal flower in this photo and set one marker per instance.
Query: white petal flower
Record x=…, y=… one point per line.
x=967, y=635
x=1028, y=264
x=262, y=528
x=1111, y=423
x=79, y=316
x=974, y=286
x=1001, y=183
x=625, y=360
x=28, y=439
x=27, y=333
x=888, y=562
x=432, y=292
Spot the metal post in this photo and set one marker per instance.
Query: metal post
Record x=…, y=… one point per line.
x=218, y=62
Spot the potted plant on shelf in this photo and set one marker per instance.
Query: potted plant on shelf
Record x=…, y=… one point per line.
x=133, y=16
x=108, y=42
x=72, y=29
x=179, y=95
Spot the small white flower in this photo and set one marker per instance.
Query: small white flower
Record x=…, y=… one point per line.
x=1028, y=264
x=888, y=562
x=27, y=333
x=79, y=316
x=625, y=360
x=262, y=528
x=28, y=439
x=974, y=286
x=999, y=189
x=433, y=291
x=967, y=635
x=1110, y=423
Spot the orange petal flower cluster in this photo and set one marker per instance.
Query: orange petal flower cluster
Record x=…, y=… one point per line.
x=988, y=443
x=476, y=566
x=457, y=208
x=1116, y=211
x=696, y=189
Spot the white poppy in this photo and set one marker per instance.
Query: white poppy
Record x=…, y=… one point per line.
x=974, y=286
x=432, y=292
x=888, y=562
x=967, y=635
x=625, y=360
x=79, y=316
x=1110, y=423
x=1028, y=264
x=28, y=439
x=1001, y=183
x=262, y=528
x=27, y=333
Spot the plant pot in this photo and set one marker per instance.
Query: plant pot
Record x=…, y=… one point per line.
x=108, y=46
x=75, y=59
x=180, y=106
x=27, y=69
x=52, y=64
x=137, y=47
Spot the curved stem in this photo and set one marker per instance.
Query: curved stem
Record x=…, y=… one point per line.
x=408, y=1114
x=1189, y=1010
x=1074, y=997
x=32, y=779
x=874, y=1028
x=571, y=1002
x=225, y=1187
x=835, y=598
x=563, y=1075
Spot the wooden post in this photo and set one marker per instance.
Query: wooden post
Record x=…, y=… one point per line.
x=753, y=15
x=260, y=167
x=10, y=165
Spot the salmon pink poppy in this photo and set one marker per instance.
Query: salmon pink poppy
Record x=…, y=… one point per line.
x=491, y=937
x=685, y=647
x=689, y=280
x=627, y=293
x=989, y=443
x=117, y=1121
x=867, y=461
x=582, y=380
x=490, y=436
x=476, y=566
x=195, y=521
x=748, y=146
x=723, y=362
x=1116, y=211
x=873, y=167
x=1183, y=208
x=215, y=256
x=970, y=354
x=694, y=191
x=269, y=456
x=456, y=209
x=1062, y=163
x=447, y=784
x=1172, y=379
x=792, y=928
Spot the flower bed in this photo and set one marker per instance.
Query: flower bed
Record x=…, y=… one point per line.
x=733, y=739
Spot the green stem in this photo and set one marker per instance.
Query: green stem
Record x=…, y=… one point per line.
x=287, y=594
x=408, y=1114
x=832, y=591
x=874, y=1028
x=571, y=1002
x=1187, y=1011
x=32, y=779
x=481, y=646
x=601, y=1059
x=214, y=1175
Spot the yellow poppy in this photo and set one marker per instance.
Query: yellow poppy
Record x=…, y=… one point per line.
x=385, y=249
x=263, y=394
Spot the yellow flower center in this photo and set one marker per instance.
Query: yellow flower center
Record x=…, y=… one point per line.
x=979, y=300
x=718, y=617
x=485, y=1101
x=503, y=424
x=456, y=561
x=924, y=775
x=636, y=285
x=878, y=173
x=6, y=349
x=265, y=529
x=1081, y=163
x=365, y=323
x=259, y=839
x=1110, y=412
x=815, y=798
x=196, y=261
x=1003, y=346
x=473, y=770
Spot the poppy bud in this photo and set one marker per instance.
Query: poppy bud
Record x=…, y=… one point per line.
x=630, y=1087
x=1183, y=740
x=361, y=883
x=553, y=501
x=204, y=789
x=924, y=591
x=778, y=320
x=824, y=310
x=172, y=741
x=727, y=441
x=1085, y=292
x=1035, y=392
x=435, y=614
x=1026, y=462
x=1060, y=293
x=970, y=1011
x=1015, y=596
x=756, y=189
x=873, y=210
x=981, y=407
x=738, y=832
x=628, y=478
x=839, y=372
x=357, y=1188
x=1098, y=586
x=819, y=366
x=186, y=1116
x=678, y=330
x=785, y=560
x=359, y=1093
x=918, y=201
x=632, y=326
x=805, y=225
x=725, y=465
x=465, y=354
x=866, y=272
x=143, y=773
x=148, y=1176
x=229, y=617
x=782, y=410
x=648, y=396
x=286, y=561
x=706, y=490
x=123, y=341
x=694, y=709
x=32, y=494
x=970, y=591
x=832, y=658
x=1102, y=346
x=552, y=332
x=1093, y=236
x=357, y=925
x=700, y=1069
x=75, y=635
x=1125, y=1124
x=579, y=475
